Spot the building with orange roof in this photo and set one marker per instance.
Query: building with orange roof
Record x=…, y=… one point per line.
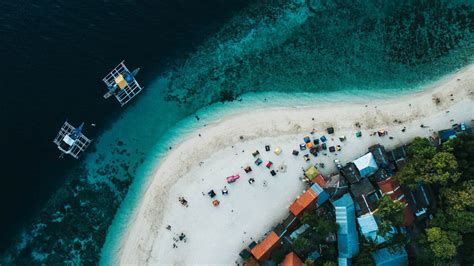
x=307, y=200
x=263, y=249
x=319, y=179
x=291, y=259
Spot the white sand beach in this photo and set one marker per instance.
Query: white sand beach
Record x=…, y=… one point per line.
x=215, y=235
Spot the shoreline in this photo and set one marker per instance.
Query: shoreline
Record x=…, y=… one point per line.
x=278, y=121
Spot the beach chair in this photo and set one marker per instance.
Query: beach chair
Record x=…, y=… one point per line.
x=255, y=153
x=295, y=152
x=330, y=130
x=258, y=162
x=358, y=134
x=332, y=149
x=278, y=151
x=306, y=139
x=269, y=164
x=267, y=147
x=323, y=138
x=211, y=193
x=273, y=173
x=302, y=147
x=306, y=157
x=248, y=169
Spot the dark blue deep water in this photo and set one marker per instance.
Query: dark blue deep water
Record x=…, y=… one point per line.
x=54, y=54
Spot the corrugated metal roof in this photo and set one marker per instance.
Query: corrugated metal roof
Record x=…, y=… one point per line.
x=263, y=249
x=348, y=242
x=304, y=201
x=321, y=194
x=383, y=257
x=369, y=228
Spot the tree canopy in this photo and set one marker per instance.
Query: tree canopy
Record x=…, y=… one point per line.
x=421, y=148
x=441, y=169
x=390, y=213
x=323, y=226
x=428, y=166
x=463, y=150
x=460, y=197
x=443, y=244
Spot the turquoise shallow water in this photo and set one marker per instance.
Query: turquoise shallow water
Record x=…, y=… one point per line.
x=287, y=53
x=292, y=56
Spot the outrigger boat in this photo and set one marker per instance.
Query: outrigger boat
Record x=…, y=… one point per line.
x=70, y=140
x=122, y=84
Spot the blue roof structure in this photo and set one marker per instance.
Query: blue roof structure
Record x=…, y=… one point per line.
x=347, y=238
x=447, y=134
x=299, y=231
x=314, y=255
x=322, y=194
x=344, y=261
x=366, y=165
x=369, y=228
x=383, y=257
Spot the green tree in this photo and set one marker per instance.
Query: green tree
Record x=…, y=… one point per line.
x=408, y=175
x=322, y=226
x=457, y=221
x=448, y=146
x=459, y=197
x=464, y=153
x=304, y=244
x=421, y=148
x=442, y=243
x=363, y=259
x=466, y=251
x=390, y=213
x=420, y=151
x=330, y=263
x=441, y=169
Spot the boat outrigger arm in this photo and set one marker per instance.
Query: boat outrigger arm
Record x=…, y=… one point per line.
x=122, y=84
x=70, y=140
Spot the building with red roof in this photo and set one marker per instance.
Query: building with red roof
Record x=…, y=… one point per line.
x=393, y=189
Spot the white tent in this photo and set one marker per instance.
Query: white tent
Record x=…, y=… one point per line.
x=366, y=165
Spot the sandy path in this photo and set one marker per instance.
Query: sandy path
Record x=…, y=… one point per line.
x=146, y=241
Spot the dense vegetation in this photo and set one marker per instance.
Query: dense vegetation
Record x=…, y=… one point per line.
x=449, y=170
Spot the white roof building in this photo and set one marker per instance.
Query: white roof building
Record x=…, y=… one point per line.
x=366, y=165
